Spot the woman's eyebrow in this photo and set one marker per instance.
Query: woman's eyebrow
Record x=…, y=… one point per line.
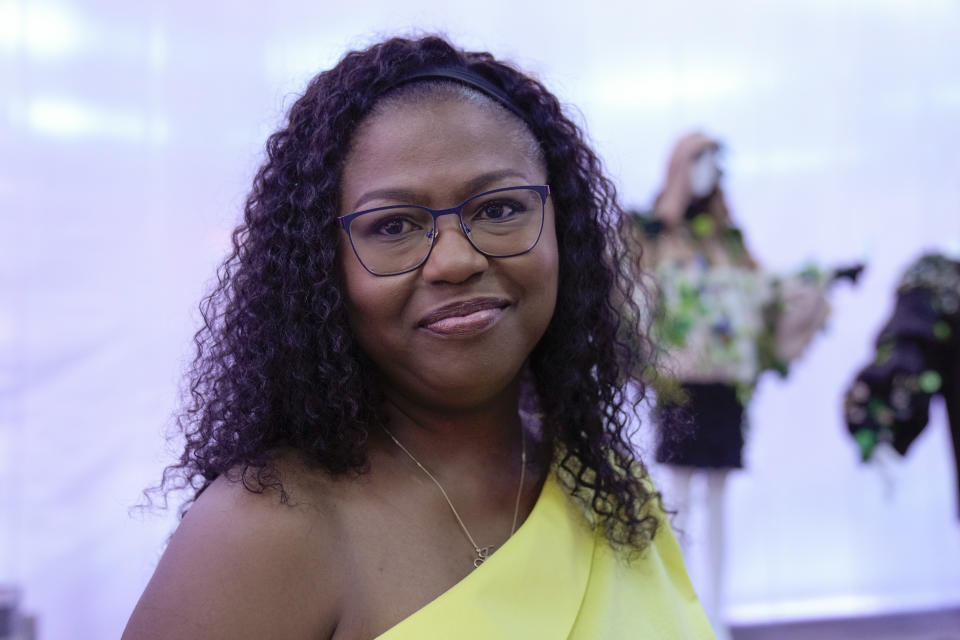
x=486, y=179
x=472, y=186
x=400, y=195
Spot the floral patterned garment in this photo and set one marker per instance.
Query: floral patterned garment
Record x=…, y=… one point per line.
x=712, y=319
x=917, y=357
x=729, y=323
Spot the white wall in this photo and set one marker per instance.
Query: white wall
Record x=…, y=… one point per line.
x=128, y=136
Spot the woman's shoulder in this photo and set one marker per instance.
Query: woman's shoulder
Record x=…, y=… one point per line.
x=249, y=563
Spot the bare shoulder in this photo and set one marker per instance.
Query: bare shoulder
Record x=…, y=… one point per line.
x=249, y=565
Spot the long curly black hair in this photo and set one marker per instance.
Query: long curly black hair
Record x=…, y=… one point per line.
x=276, y=363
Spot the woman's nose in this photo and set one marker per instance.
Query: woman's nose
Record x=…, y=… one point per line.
x=452, y=258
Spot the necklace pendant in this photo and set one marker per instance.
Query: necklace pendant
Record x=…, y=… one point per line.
x=482, y=554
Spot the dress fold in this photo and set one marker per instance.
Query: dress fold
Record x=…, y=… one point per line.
x=557, y=578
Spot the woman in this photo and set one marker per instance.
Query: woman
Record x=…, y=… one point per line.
x=411, y=353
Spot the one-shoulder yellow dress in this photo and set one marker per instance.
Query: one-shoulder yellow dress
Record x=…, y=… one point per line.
x=556, y=578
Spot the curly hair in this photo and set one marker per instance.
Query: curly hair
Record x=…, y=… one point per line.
x=276, y=339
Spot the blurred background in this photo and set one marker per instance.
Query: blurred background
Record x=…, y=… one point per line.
x=129, y=134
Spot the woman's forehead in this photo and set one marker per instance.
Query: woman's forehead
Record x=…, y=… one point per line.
x=451, y=142
x=433, y=94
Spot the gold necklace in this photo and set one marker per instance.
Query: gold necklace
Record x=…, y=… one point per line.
x=482, y=552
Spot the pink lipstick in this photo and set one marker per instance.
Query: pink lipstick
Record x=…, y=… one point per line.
x=464, y=318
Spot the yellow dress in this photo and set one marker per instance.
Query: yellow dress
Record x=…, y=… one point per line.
x=555, y=578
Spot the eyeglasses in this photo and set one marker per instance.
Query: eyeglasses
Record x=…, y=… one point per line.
x=397, y=239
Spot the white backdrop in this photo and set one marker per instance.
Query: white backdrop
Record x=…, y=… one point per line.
x=128, y=136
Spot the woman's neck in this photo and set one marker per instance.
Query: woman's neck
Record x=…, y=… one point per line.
x=472, y=436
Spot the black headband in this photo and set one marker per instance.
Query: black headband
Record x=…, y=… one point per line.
x=467, y=77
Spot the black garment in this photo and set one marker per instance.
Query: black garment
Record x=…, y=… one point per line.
x=705, y=432
x=918, y=356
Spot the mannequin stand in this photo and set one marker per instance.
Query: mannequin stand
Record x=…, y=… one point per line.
x=700, y=523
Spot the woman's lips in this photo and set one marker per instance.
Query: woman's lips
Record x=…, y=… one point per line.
x=464, y=318
x=465, y=325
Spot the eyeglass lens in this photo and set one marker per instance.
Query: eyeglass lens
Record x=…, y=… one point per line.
x=500, y=224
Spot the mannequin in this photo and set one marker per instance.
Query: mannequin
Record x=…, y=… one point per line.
x=917, y=357
x=721, y=321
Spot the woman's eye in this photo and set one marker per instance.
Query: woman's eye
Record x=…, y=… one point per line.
x=394, y=226
x=499, y=210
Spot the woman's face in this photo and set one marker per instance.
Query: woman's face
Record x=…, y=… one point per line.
x=454, y=333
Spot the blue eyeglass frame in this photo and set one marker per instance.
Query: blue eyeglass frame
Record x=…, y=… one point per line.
x=542, y=190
